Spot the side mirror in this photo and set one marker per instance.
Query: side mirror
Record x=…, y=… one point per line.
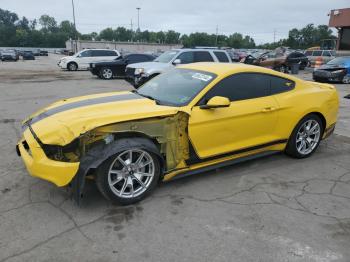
x=177, y=62
x=216, y=102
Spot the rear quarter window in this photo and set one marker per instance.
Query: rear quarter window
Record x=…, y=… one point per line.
x=280, y=85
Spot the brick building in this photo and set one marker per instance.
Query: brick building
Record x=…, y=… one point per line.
x=340, y=19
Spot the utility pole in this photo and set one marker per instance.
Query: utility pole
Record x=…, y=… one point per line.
x=132, y=31
x=75, y=29
x=138, y=18
x=217, y=33
x=274, y=36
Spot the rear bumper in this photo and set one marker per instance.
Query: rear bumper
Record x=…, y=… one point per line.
x=328, y=131
x=38, y=165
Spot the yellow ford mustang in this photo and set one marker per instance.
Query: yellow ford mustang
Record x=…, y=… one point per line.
x=191, y=119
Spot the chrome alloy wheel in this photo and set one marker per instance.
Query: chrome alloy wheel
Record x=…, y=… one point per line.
x=107, y=73
x=131, y=173
x=308, y=137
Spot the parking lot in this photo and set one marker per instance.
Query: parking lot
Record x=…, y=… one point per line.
x=270, y=209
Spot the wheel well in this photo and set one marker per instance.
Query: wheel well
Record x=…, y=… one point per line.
x=141, y=135
x=72, y=62
x=323, y=119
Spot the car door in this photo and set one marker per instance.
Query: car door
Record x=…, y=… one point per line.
x=249, y=121
x=84, y=59
x=186, y=57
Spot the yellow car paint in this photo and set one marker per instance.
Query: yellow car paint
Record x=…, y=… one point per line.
x=212, y=133
x=38, y=165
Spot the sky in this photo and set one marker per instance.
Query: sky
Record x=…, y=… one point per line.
x=261, y=19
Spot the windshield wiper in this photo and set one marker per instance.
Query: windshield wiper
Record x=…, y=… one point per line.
x=147, y=96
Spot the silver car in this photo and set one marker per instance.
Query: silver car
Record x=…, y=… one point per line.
x=319, y=57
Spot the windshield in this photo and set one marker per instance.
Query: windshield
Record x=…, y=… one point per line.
x=176, y=87
x=339, y=61
x=166, y=57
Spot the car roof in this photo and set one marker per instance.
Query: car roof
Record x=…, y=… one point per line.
x=199, y=49
x=230, y=68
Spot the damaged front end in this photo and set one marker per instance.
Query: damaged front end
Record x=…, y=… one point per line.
x=168, y=133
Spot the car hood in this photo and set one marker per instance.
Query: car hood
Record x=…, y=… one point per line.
x=151, y=65
x=65, y=120
x=331, y=67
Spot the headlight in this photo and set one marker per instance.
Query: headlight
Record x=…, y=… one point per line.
x=339, y=71
x=139, y=71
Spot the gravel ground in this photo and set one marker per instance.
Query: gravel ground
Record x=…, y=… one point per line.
x=271, y=209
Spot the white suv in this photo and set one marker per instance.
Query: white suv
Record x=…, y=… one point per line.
x=82, y=59
x=139, y=73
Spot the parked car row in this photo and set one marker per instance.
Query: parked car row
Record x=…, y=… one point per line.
x=139, y=68
x=14, y=55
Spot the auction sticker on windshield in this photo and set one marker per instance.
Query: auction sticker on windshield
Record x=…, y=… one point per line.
x=202, y=77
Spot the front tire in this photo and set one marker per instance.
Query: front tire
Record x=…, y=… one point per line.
x=72, y=66
x=129, y=176
x=305, y=137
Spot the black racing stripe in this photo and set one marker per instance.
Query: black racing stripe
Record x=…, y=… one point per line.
x=87, y=102
x=195, y=159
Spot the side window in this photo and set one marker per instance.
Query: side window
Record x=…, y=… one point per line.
x=86, y=53
x=308, y=53
x=326, y=53
x=317, y=53
x=96, y=53
x=112, y=53
x=240, y=87
x=221, y=56
x=186, y=57
x=134, y=59
x=203, y=56
x=280, y=85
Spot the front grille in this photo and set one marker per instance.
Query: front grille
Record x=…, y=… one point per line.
x=130, y=72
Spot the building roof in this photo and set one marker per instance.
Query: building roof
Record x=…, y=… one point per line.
x=339, y=17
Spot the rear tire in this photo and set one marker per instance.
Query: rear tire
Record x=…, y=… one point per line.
x=305, y=137
x=130, y=175
x=106, y=73
x=283, y=69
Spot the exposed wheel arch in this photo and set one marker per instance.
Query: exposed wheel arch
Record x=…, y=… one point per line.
x=98, y=154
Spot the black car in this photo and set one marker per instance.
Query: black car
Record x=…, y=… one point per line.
x=28, y=55
x=43, y=53
x=336, y=70
x=116, y=68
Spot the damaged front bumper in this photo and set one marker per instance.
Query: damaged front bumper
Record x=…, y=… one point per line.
x=39, y=165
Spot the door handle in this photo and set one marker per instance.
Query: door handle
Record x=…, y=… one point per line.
x=268, y=109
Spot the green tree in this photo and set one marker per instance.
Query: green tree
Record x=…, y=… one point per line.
x=48, y=23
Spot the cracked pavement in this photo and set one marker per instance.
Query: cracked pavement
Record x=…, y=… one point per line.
x=270, y=209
